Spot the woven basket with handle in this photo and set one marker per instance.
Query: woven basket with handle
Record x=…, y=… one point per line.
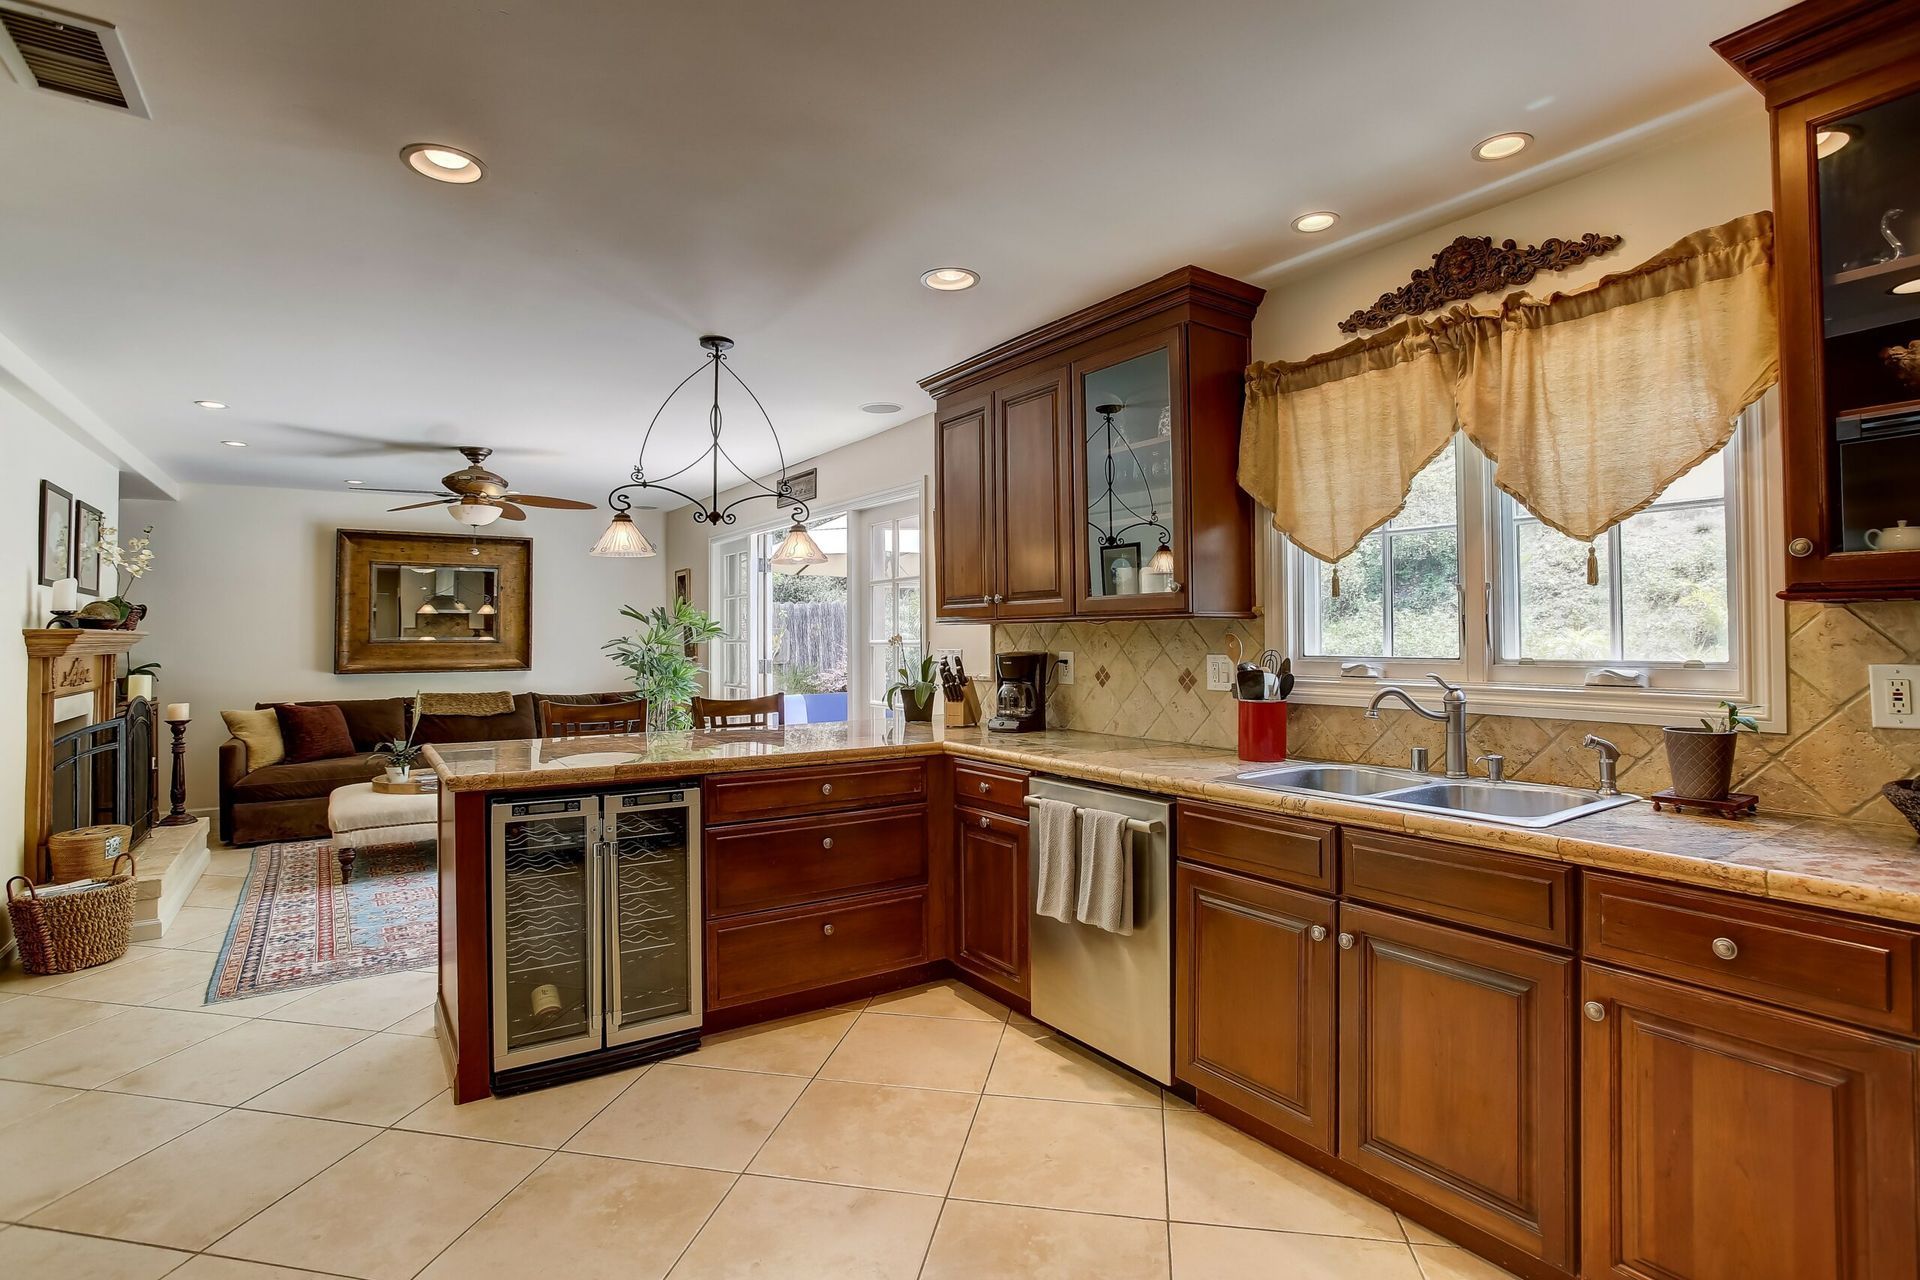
x=87, y=853
x=78, y=930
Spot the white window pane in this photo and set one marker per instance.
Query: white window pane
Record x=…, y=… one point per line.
x=1353, y=623
x=1674, y=585
x=907, y=612
x=880, y=620
x=880, y=549
x=1426, y=595
x=1708, y=480
x=908, y=563
x=1562, y=619
x=1434, y=497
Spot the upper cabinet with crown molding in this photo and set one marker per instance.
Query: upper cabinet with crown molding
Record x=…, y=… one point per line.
x=1842, y=84
x=1067, y=458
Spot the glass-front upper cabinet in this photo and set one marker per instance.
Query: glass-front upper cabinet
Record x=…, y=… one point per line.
x=1129, y=454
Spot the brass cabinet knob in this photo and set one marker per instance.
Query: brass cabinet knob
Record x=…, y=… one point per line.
x=1595, y=1011
x=826, y=788
x=1318, y=933
x=1346, y=942
x=826, y=842
x=1800, y=548
x=985, y=822
x=1726, y=948
x=827, y=929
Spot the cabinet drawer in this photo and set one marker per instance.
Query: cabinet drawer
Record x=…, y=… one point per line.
x=756, y=957
x=987, y=786
x=1292, y=850
x=739, y=797
x=757, y=866
x=1501, y=893
x=1847, y=969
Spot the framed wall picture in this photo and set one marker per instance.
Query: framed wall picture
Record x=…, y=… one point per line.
x=1112, y=560
x=87, y=523
x=431, y=602
x=683, y=590
x=56, y=533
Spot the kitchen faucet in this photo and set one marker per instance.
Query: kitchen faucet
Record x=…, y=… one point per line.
x=1453, y=712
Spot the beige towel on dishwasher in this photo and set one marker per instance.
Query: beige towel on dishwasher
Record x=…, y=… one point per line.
x=1106, y=872
x=1053, y=873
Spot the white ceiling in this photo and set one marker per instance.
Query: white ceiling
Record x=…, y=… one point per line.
x=778, y=172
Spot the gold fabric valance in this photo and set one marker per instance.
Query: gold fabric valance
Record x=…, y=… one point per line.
x=1589, y=402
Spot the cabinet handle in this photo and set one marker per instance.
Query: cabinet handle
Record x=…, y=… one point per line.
x=985, y=822
x=1800, y=548
x=1725, y=948
x=827, y=930
x=826, y=788
x=826, y=842
x=1318, y=933
x=1346, y=942
x=985, y=787
x=1595, y=1011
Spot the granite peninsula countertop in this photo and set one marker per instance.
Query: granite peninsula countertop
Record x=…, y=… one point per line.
x=1868, y=868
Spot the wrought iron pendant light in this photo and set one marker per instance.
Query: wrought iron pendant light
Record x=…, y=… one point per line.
x=623, y=537
x=1111, y=534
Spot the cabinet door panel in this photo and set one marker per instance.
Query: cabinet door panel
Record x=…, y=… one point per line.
x=963, y=509
x=1727, y=1141
x=1456, y=1074
x=991, y=935
x=1036, y=532
x=1253, y=999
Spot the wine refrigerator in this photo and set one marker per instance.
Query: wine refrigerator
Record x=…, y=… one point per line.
x=596, y=928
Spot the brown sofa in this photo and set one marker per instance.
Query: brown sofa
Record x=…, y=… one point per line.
x=289, y=801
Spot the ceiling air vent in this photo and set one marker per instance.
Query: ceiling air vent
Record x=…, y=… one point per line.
x=67, y=54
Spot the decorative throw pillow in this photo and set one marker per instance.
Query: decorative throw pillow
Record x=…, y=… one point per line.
x=259, y=731
x=313, y=733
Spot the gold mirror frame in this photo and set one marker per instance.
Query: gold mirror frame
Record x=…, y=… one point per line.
x=356, y=551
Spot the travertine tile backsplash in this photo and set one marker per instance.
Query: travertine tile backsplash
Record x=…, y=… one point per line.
x=1148, y=680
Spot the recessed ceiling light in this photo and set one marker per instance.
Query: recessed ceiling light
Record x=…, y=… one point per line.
x=1829, y=140
x=1906, y=287
x=1312, y=222
x=879, y=406
x=950, y=279
x=210, y=404
x=234, y=444
x=356, y=482
x=443, y=163
x=1501, y=146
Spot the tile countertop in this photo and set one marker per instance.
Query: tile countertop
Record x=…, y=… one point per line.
x=1867, y=868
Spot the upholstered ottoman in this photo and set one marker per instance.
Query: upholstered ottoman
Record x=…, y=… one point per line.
x=361, y=818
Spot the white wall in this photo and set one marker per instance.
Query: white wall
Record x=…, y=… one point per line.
x=33, y=450
x=899, y=457
x=242, y=604
x=1694, y=179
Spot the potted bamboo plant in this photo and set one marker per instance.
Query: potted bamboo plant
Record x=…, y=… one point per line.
x=1700, y=761
x=656, y=660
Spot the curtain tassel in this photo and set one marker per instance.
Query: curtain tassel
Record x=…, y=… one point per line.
x=1334, y=588
x=1593, y=566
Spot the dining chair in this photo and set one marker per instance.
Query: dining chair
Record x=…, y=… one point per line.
x=594, y=719
x=739, y=713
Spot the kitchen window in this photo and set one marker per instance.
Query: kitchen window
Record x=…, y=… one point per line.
x=1467, y=583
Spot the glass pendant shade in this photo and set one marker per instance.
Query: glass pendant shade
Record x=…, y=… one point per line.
x=474, y=513
x=1162, y=561
x=798, y=548
x=623, y=539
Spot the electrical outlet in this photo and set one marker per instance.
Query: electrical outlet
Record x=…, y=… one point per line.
x=1063, y=670
x=1219, y=672
x=1893, y=690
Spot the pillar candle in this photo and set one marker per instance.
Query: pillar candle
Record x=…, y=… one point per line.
x=139, y=687
x=177, y=711
x=66, y=595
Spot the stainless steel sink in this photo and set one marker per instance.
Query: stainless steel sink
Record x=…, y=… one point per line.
x=1514, y=804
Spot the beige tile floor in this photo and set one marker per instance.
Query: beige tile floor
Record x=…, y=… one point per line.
x=925, y=1133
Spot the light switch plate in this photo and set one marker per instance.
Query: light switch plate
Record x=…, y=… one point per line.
x=1894, y=690
x=1219, y=672
x=1063, y=671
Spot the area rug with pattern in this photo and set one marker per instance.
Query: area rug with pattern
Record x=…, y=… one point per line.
x=297, y=925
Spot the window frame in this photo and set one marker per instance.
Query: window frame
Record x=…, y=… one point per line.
x=1754, y=677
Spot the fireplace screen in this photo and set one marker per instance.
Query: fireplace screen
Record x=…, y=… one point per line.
x=105, y=773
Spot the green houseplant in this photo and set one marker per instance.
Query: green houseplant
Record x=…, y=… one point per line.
x=656, y=660
x=399, y=754
x=1700, y=761
x=914, y=689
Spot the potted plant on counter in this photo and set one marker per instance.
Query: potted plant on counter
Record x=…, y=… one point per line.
x=914, y=689
x=656, y=660
x=1700, y=761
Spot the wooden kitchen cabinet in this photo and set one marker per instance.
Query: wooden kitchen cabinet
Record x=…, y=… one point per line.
x=1456, y=1074
x=990, y=928
x=1254, y=999
x=1842, y=84
x=1722, y=1140
x=1040, y=495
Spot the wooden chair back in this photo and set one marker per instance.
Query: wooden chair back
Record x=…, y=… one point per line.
x=593, y=719
x=739, y=713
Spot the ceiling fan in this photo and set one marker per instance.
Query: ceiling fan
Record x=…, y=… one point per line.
x=476, y=496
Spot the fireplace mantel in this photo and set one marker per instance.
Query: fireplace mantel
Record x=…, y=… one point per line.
x=62, y=662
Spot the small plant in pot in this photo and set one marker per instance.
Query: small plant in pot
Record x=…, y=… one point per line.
x=398, y=755
x=914, y=689
x=1700, y=761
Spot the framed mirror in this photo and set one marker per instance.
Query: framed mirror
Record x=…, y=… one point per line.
x=431, y=602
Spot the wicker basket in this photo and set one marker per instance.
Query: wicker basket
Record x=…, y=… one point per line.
x=87, y=853
x=73, y=930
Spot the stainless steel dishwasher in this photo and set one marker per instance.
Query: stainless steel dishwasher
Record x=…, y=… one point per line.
x=1110, y=991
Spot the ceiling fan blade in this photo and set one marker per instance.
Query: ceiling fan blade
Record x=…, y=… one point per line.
x=415, y=506
x=508, y=511
x=558, y=504
x=429, y=493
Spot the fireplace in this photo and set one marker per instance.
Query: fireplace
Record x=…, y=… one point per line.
x=91, y=768
x=105, y=771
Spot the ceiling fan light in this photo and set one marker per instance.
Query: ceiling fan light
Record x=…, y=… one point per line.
x=798, y=548
x=623, y=539
x=475, y=514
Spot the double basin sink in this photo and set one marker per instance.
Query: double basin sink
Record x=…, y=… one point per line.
x=1514, y=804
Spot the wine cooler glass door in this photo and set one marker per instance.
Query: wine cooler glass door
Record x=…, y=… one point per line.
x=546, y=980
x=653, y=942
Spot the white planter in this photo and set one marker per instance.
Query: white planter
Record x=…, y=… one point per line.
x=398, y=773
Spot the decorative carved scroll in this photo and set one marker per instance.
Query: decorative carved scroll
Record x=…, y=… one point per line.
x=1474, y=265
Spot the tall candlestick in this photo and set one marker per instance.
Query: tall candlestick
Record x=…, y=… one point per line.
x=178, y=817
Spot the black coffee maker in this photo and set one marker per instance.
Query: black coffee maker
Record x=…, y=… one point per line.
x=1020, y=703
